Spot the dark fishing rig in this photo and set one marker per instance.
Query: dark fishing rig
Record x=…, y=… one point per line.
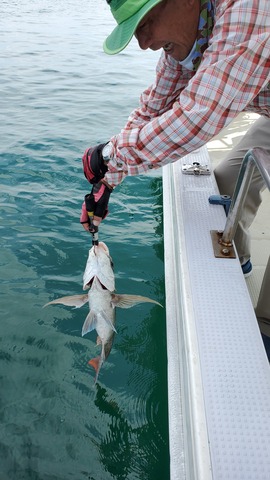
x=93, y=229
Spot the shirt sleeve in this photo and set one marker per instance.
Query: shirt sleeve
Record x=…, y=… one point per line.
x=181, y=112
x=171, y=79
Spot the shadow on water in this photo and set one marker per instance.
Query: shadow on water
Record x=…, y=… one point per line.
x=128, y=451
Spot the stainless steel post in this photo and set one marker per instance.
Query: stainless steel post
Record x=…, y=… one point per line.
x=255, y=157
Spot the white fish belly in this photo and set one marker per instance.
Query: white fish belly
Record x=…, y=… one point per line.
x=100, y=304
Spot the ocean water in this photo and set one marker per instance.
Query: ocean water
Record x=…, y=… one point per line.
x=60, y=94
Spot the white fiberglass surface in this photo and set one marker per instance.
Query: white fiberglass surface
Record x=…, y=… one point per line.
x=222, y=363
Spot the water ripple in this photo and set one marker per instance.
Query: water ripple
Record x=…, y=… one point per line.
x=60, y=93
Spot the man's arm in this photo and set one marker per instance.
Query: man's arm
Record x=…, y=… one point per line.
x=234, y=69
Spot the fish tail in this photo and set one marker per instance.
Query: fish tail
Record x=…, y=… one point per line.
x=96, y=363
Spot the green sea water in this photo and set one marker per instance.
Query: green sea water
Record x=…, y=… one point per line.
x=60, y=94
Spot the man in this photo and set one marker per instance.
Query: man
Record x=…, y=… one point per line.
x=215, y=63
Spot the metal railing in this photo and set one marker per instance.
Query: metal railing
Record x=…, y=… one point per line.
x=255, y=157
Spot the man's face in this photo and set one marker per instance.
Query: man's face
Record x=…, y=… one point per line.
x=172, y=25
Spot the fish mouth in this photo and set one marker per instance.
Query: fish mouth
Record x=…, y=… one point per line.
x=89, y=284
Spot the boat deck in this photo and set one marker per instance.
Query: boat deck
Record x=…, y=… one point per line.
x=218, y=371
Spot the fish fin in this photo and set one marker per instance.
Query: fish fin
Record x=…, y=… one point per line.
x=76, y=301
x=128, y=301
x=89, y=323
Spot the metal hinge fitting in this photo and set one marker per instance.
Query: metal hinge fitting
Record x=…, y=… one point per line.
x=195, y=169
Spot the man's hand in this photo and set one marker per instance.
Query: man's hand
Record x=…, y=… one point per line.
x=94, y=166
x=95, y=206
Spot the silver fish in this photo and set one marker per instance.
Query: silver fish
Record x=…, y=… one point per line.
x=102, y=299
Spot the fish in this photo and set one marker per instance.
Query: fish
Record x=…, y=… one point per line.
x=99, y=279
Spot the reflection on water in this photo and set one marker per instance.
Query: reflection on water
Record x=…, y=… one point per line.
x=59, y=95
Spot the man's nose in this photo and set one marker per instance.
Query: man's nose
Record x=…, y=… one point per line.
x=143, y=39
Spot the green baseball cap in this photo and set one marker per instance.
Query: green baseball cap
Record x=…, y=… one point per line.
x=128, y=14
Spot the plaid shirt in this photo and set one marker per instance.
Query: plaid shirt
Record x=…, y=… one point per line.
x=183, y=110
